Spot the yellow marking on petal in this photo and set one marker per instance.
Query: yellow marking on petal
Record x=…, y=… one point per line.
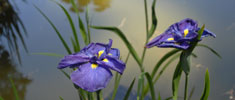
x=105, y=60
x=94, y=66
x=170, y=39
x=110, y=54
x=185, y=32
x=100, y=53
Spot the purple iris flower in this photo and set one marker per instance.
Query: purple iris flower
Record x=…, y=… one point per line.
x=93, y=64
x=179, y=35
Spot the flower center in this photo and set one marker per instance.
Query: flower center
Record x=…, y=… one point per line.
x=100, y=53
x=170, y=39
x=185, y=32
x=105, y=60
x=94, y=66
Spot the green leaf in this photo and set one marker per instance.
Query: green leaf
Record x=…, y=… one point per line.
x=176, y=80
x=70, y=22
x=129, y=90
x=61, y=98
x=14, y=89
x=81, y=25
x=150, y=82
x=83, y=30
x=124, y=39
x=1, y=98
x=56, y=30
x=159, y=96
x=76, y=48
x=164, y=58
x=48, y=54
x=140, y=84
x=88, y=25
x=212, y=50
x=146, y=88
x=200, y=32
x=74, y=6
x=206, y=91
x=66, y=74
x=184, y=59
x=154, y=20
x=116, y=85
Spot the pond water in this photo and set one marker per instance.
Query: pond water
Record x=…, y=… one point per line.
x=37, y=77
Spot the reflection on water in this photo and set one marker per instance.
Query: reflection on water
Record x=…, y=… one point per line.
x=100, y=5
x=11, y=27
x=6, y=69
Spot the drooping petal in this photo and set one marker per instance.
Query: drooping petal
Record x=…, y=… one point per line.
x=163, y=38
x=207, y=33
x=183, y=45
x=73, y=59
x=114, y=52
x=113, y=63
x=91, y=78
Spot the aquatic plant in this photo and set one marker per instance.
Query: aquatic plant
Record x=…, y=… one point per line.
x=183, y=36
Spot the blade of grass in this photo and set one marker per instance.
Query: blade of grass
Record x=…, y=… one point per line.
x=124, y=39
x=61, y=98
x=70, y=22
x=150, y=82
x=164, y=58
x=117, y=80
x=49, y=54
x=176, y=80
x=159, y=96
x=14, y=89
x=154, y=20
x=66, y=74
x=88, y=25
x=56, y=30
x=206, y=90
x=140, y=85
x=129, y=90
x=76, y=48
x=81, y=25
x=83, y=31
x=212, y=50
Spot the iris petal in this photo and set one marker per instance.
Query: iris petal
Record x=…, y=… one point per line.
x=114, y=52
x=113, y=63
x=207, y=33
x=183, y=45
x=91, y=79
x=73, y=59
x=163, y=38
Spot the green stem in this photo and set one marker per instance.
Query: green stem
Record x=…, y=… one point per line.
x=88, y=25
x=186, y=87
x=98, y=95
x=147, y=27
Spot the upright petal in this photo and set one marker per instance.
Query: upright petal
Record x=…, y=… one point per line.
x=114, y=52
x=90, y=78
x=187, y=24
x=113, y=63
x=73, y=59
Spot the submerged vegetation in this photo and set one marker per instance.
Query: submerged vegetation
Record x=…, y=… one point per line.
x=91, y=65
